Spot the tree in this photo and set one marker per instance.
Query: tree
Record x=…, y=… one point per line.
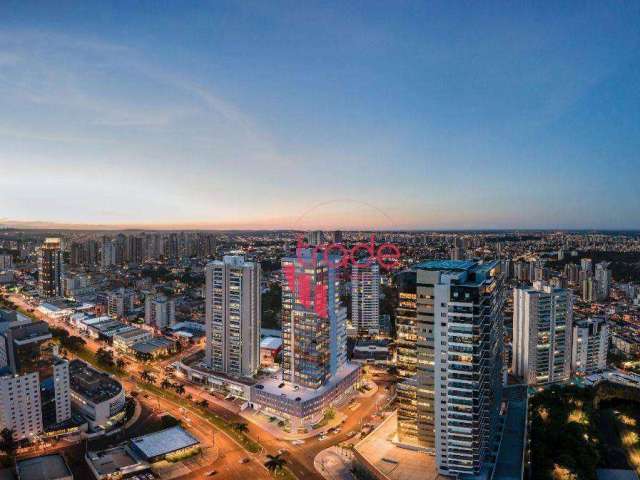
x=121, y=364
x=330, y=414
x=7, y=442
x=240, y=427
x=146, y=376
x=105, y=357
x=275, y=462
x=180, y=389
x=74, y=343
x=165, y=384
x=204, y=403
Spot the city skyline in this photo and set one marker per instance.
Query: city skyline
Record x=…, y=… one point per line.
x=286, y=116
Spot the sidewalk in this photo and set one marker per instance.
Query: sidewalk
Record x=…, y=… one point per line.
x=332, y=464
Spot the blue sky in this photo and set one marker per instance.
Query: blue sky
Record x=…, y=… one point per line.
x=330, y=114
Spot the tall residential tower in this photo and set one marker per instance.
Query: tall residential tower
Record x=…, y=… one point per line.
x=458, y=378
x=50, y=269
x=233, y=316
x=542, y=333
x=365, y=298
x=313, y=322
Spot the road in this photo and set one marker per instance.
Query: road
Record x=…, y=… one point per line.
x=300, y=458
x=229, y=453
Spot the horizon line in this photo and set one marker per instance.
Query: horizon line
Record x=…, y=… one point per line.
x=63, y=226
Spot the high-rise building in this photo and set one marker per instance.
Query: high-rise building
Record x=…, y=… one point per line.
x=6, y=262
x=458, y=249
x=313, y=321
x=159, y=311
x=365, y=298
x=233, y=316
x=50, y=269
x=571, y=272
x=542, y=334
x=120, y=302
x=109, y=249
x=134, y=249
x=603, y=279
x=20, y=406
x=458, y=379
x=590, y=346
x=586, y=265
x=316, y=374
x=589, y=289
x=315, y=237
x=34, y=380
x=407, y=360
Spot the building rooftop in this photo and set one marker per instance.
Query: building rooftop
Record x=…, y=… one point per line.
x=272, y=343
x=150, y=346
x=134, y=332
x=273, y=386
x=461, y=265
x=469, y=272
x=164, y=442
x=46, y=467
x=117, y=460
x=30, y=332
x=391, y=461
x=92, y=384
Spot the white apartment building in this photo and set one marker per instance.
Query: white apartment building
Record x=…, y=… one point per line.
x=119, y=302
x=62, y=391
x=590, y=346
x=233, y=316
x=159, y=311
x=20, y=406
x=542, y=334
x=454, y=397
x=108, y=258
x=603, y=280
x=365, y=298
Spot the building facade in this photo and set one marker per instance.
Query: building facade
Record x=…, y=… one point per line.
x=542, y=334
x=50, y=269
x=603, y=280
x=458, y=377
x=313, y=322
x=159, y=311
x=406, y=361
x=365, y=298
x=233, y=316
x=590, y=346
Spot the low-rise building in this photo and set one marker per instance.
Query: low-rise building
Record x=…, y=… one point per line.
x=44, y=467
x=170, y=443
x=124, y=340
x=96, y=395
x=371, y=351
x=627, y=344
x=154, y=348
x=54, y=312
x=304, y=406
x=115, y=463
x=270, y=347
